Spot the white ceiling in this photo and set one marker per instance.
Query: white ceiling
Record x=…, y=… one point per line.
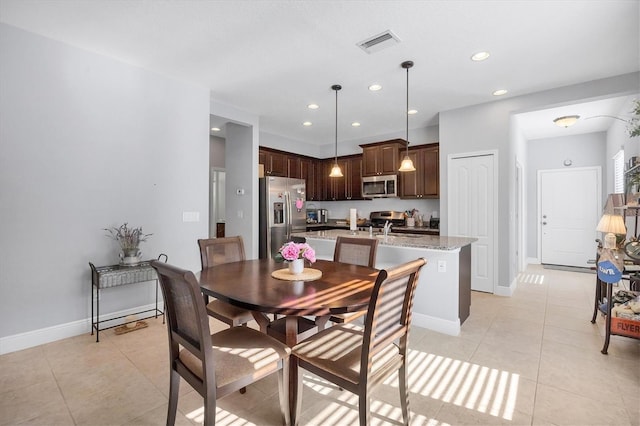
x=273, y=58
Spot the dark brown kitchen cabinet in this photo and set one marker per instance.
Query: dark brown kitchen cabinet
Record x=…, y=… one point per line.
x=381, y=158
x=425, y=181
x=294, y=167
x=347, y=187
x=308, y=173
x=275, y=163
x=354, y=180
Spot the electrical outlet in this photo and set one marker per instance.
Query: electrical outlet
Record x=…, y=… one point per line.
x=442, y=266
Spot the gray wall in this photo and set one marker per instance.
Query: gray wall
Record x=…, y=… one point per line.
x=86, y=143
x=489, y=127
x=216, y=152
x=583, y=150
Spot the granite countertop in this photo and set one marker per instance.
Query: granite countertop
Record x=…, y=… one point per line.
x=433, y=242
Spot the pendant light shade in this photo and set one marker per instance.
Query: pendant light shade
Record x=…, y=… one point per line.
x=407, y=164
x=335, y=170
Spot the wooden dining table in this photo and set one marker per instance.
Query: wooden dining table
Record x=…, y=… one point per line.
x=303, y=306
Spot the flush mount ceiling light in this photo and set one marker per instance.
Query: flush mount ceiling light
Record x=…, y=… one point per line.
x=215, y=129
x=335, y=170
x=500, y=92
x=313, y=106
x=480, y=56
x=566, y=121
x=375, y=87
x=407, y=164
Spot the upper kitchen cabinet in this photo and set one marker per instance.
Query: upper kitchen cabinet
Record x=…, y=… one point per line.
x=425, y=181
x=294, y=167
x=349, y=186
x=308, y=173
x=381, y=158
x=275, y=162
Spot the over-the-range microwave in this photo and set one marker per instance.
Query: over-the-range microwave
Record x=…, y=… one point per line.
x=380, y=186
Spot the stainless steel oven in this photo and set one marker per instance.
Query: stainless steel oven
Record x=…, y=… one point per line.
x=380, y=186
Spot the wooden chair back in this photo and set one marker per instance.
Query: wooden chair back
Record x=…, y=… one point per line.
x=389, y=315
x=187, y=325
x=356, y=251
x=216, y=251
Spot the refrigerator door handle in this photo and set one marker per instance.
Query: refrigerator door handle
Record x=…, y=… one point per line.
x=287, y=215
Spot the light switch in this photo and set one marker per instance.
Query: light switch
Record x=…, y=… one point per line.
x=191, y=216
x=442, y=266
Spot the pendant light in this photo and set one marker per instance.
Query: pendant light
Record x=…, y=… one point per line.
x=335, y=170
x=407, y=164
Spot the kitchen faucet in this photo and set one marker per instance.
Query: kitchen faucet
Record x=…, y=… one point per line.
x=387, y=228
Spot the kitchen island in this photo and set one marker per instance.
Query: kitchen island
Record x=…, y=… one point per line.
x=443, y=295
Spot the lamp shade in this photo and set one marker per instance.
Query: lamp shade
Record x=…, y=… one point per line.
x=611, y=223
x=407, y=165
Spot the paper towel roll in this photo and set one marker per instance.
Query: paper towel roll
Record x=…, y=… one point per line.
x=353, y=219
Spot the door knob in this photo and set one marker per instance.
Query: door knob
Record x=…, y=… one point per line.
x=544, y=223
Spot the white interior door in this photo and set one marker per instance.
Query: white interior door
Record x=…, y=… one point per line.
x=471, y=213
x=569, y=209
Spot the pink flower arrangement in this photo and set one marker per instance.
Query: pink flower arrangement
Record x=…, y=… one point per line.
x=293, y=251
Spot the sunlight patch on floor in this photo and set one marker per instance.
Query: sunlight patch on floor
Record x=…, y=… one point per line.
x=476, y=387
x=223, y=418
x=529, y=278
x=343, y=410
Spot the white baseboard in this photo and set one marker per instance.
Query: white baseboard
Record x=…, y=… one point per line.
x=533, y=261
x=507, y=291
x=33, y=338
x=440, y=325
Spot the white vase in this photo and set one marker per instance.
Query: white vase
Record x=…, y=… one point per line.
x=296, y=266
x=411, y=222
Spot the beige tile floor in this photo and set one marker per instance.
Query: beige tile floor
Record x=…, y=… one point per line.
x=532, y=359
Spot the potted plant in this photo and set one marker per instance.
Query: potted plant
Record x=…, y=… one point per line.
x=295, y=254
x=129, y=240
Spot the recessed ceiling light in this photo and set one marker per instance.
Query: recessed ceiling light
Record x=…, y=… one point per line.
x=307, y=123
x=313, y=106
x=375, y=87
x=215, y=129
x=500, y=92
x=412, y=111
x=355, y=124
x=479, y=56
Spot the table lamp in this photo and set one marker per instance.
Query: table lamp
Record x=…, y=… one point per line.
x=611, y=224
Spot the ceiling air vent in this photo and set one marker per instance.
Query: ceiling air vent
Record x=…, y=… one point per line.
x=379, y=42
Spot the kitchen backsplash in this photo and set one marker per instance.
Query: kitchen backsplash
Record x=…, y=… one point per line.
x=340, y=209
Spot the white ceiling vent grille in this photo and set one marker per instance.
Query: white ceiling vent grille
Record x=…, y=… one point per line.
x=379, y=42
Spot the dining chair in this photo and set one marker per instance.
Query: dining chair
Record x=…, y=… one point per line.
x=215, y=365
x=358, y=359
x=216, y=251
x=356, y=251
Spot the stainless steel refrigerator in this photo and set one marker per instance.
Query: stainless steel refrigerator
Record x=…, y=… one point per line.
x=282, y=212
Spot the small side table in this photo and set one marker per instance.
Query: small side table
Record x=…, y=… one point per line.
x=103, y=277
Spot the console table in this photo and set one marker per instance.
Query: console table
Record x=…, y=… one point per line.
x=103, y=277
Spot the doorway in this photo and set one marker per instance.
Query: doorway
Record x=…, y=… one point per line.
x=569, y=205
x=472, y=212
x=217, y=202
